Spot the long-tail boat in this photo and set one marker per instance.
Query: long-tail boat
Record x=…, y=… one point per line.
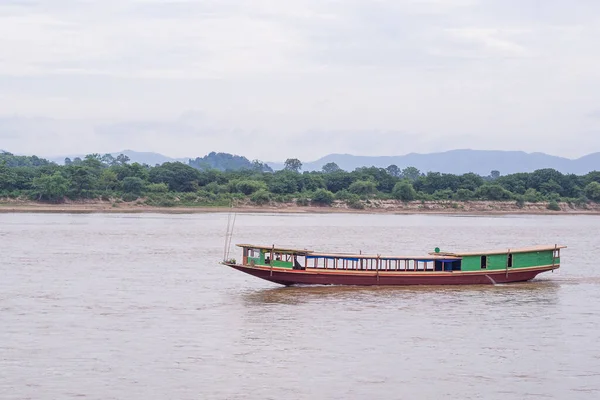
x=287, y=266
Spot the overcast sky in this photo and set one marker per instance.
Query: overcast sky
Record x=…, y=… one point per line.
x=272, y=79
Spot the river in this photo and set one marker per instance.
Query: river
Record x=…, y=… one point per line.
x=136, y=306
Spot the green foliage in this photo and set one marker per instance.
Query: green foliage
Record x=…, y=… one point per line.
x=444, y=194
x=7, y=177
x=157, y=188
x=129, y=197
x=592, y=191
x=394, y=171
x=228, y=162
x=52, y=188
x=330, y=167
x=285, y=182
x=411, y=173
x=323, y=197
x=353, y=201
x=11, y=160
x=261, y=197
x=520, y=202
x=104, y=176
x=303, y=201
x=214, y=187
x=178, y=176
x=553, y=206
x=312, y=182
x=464, y=194
x=133, y=185
x=363, y=188
x=293, y=165
x=108, y=180
x=532, y=196
x=248, y=187
x=404, y=191
x=493, y=192
x=339, y=180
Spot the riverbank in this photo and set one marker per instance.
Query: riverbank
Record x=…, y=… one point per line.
x=370, y=207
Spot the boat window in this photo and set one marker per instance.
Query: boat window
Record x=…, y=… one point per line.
x=483, y=262
x=510, y=260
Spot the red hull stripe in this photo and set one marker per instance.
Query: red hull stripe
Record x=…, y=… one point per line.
x=387, y=278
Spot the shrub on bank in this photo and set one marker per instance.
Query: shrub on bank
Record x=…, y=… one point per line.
x=323, y=197
x=553, y=206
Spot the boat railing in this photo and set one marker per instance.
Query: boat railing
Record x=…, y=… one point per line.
x=377, y=263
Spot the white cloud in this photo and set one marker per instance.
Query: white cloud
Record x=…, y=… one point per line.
x=502, y=73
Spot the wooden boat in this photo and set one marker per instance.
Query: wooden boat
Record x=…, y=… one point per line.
x=287, y=266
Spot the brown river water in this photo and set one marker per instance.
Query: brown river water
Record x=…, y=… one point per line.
x=138, y=307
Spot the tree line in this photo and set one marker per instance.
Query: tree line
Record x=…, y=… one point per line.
x=117, y=179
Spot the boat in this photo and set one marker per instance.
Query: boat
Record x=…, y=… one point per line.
x=289, y=266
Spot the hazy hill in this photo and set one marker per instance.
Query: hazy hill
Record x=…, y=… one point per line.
x=226, y=161
x=462, y=161
x=134, y=156
x=455, y=161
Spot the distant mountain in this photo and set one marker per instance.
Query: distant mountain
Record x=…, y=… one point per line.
x=134, y=156
x=462, y=161
x=226, y=161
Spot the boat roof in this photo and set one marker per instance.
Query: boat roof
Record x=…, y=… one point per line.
x=430, y=256
x=314, y=254
x=531, y=249
x=277, y=249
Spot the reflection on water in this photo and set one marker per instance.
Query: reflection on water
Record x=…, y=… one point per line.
x=137, y=307
x=539, y=290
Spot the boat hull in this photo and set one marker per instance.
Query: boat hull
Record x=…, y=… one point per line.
x=289, y=277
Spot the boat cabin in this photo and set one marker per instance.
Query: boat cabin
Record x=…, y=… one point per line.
x=303, y=259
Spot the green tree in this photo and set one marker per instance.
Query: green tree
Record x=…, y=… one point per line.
x=179, y=177
x=248, y=187
x=464, y=194
x=52, y=188
x=592, y=191
x=312, y=181
x=532, y=196
x=293, y=164
x=82, y=179
x=108, y=160
x=493, y=192
x=157, y=188
x=337, y=181
x=404, y=191
x=330, y=167
x=108, y=180
x=285, y=182
x=495, y=175
x=470, y=181
x=261, y=197
x=363, y=188
x=411, y=173
x=394, y=171
x=122, y=159
x=553, y=206
x=7, y=177
x=323, y=197
x=133, y=185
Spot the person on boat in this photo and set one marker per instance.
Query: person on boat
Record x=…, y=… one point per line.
x=267, y=260
x=297, y=264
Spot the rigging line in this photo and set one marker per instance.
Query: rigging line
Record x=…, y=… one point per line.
x=231, y=234
x=226, y=235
